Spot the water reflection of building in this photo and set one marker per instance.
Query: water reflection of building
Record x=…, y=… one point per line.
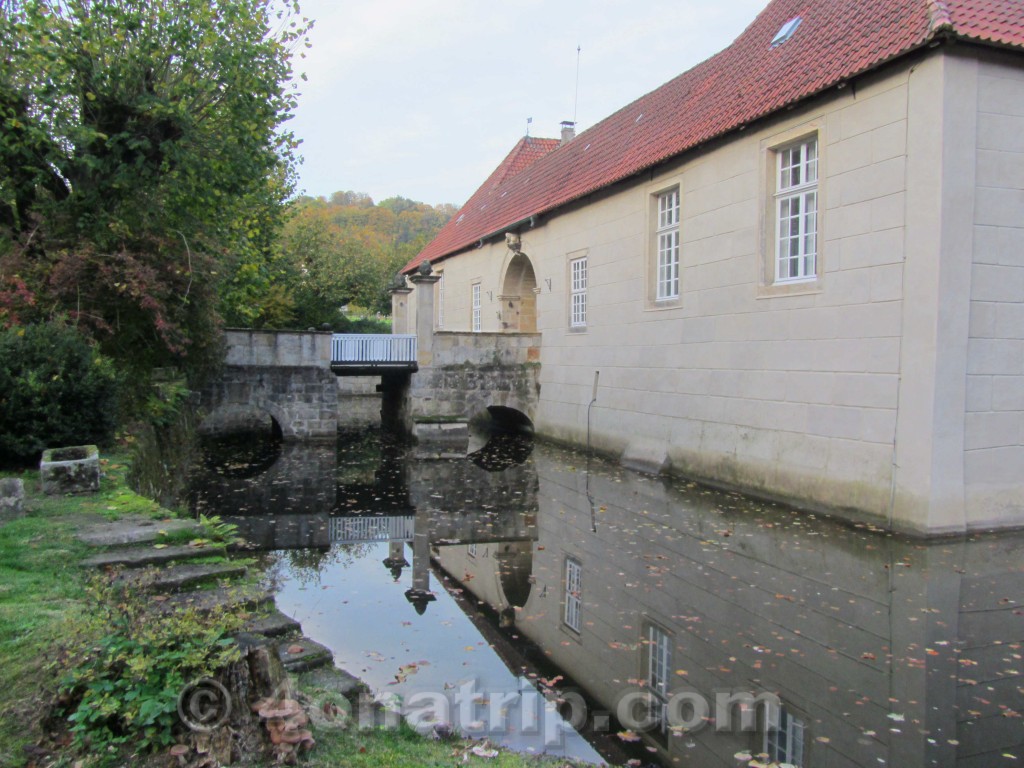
x=881, y=651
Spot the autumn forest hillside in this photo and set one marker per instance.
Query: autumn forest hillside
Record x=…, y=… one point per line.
x=345, y=250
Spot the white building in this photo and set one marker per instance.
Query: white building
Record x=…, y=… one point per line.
x=798, y=267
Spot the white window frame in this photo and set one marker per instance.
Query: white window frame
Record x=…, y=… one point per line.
x=796, y=212
x=667, y=247
x=578, y=292
x=440, y=301
x=477, y=308
x=659, y=665
x=573, y=595
x=783, y=736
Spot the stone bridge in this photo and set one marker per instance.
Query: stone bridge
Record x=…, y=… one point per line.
x=286, y=381
x=277, y=380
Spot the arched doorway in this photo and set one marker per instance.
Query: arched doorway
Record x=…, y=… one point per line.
x=519, y=296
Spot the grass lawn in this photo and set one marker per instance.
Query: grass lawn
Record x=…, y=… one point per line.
x=42, y=591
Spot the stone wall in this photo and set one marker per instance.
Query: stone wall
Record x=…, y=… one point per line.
x=474, y=371
x=359, y=402
x=302, y=400
x=465, y=392
x=994, y=441
x=278, y=348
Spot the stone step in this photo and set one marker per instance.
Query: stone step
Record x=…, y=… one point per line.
x=176, y=578
x=137, y=557
x=275, y=624
x=334, y=680
x=236, y=597
x=302, y=654
x=135, y=530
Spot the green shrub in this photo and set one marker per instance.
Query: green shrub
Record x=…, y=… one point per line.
x=55, y=390
x=362, y=325
x=123, y=686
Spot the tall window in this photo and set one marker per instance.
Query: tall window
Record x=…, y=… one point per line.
x=783, y=736
x=578, y=311
x=440, y=301
x=476, y=308
x=573, y=593
x=668, y=245
x=659, y=664
x=796, y=202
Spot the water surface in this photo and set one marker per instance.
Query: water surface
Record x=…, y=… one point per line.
x=692, y=626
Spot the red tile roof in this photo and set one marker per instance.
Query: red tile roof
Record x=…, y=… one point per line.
x=836, y=40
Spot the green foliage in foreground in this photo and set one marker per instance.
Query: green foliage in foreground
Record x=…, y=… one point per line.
x=124, y=686
x=55, y=390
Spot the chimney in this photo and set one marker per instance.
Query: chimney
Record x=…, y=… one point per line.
x=568, y=132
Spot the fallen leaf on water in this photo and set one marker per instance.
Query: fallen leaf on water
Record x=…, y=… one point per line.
x=628, y=736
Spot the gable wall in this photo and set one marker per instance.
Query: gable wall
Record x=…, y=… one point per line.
x=994, y=440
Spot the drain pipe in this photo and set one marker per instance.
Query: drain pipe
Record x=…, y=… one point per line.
x=590, y=498
x=593, y=399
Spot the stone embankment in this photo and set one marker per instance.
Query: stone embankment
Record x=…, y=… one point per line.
x=171, y=562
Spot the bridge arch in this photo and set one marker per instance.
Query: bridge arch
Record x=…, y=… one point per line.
x=519, y=296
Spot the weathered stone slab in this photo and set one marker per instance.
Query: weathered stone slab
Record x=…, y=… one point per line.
x=303, y=654
x=244, y=596
x=136, y=530
x=178, y=577
x=648, y=456
x=12, y=498
x=334, y=680
x=274, y=624
x=137, y=557
x=75, y=469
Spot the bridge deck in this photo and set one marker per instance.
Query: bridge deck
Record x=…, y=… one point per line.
x=362, y=354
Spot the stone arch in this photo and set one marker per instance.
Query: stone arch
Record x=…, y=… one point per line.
x=228, y=418
x=519, y=296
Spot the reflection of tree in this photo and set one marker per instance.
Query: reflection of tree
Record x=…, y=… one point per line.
x=307, y=565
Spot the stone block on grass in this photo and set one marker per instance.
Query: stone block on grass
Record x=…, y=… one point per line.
x=12, y=498
x=75, y=469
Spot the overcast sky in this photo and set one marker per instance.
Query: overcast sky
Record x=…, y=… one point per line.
x=423, y=98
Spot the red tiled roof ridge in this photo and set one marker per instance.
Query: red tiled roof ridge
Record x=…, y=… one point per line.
x=938, y=13
x=836, y=40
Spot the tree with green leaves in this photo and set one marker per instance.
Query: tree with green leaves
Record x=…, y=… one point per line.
x=143, y=165
x=346, y=250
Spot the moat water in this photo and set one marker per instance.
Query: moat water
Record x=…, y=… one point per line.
x=556, y=604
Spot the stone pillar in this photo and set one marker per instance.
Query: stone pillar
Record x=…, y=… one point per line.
x=423, y=282
x=395, y=561
x=400, y=321
x=420, y=595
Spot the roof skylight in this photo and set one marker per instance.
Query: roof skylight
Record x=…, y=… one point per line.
x=786, y=32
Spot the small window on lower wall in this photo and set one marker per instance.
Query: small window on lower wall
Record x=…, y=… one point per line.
x=792, y=212
x=783, y=736
x=578, y=292
x=657, y=645
x=796, y=212
x=664, y=255
x=573, y=594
